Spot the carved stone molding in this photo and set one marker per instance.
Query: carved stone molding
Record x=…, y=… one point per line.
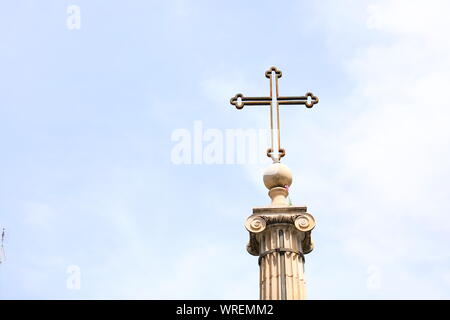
x=274, y=210
x=263, y=218
x=305, y=222
x=255, y=224
x=258, y=222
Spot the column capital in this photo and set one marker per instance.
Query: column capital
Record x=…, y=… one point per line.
x=267, y=217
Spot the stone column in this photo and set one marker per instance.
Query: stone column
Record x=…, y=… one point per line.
x=280, y=234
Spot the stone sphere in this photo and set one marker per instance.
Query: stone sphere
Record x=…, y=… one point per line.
x=277, y=175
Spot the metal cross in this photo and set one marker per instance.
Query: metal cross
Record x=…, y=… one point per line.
x=274, y=100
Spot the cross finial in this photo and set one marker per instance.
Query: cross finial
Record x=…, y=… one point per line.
x=277, y=72
x=274, y=100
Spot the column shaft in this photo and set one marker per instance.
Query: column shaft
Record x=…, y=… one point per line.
x=281, y=263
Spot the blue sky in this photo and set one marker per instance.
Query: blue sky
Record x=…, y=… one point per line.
x=86, y=118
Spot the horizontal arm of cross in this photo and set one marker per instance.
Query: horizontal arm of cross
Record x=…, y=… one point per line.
x=239, y=100
x=309, y=100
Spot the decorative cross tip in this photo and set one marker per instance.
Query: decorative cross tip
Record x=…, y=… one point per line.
x=273, y=69
x=311, y=100
x=237, y=101
x=270, y=152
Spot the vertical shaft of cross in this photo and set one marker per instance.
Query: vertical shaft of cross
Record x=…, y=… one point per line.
x=274, y=113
